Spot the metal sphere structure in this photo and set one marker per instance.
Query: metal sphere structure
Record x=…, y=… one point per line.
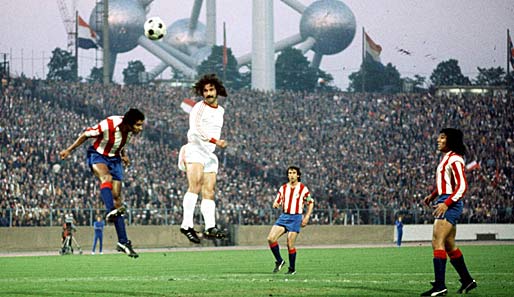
x=179, y=36
x=327, y=27
x=201, y=54
x=126, y=20
x=331, y=23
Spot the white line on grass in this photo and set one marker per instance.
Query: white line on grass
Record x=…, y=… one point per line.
x=235, y=278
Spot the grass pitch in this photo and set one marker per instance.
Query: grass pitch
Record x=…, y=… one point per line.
x=386, y=271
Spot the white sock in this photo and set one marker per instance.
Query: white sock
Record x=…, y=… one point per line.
x=208, y=208
x=188, y=205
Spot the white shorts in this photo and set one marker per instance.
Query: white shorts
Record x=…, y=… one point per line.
x=193, y=153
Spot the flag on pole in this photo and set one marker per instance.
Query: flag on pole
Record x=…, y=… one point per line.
x=511, y=50
x=372, y=49
x=225, y=56
x=86, y=35
x=187, y=105
x=472, y=166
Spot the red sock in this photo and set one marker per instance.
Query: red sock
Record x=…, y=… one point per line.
x=275, y=249
x=455, y=254
x=292, y=258
x=440, y=254
x=439, y=268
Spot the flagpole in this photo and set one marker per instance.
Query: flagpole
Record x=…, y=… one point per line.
x=225, y=58
x=363, y=58
x=106, y=51
x=508, y=52
x=509, y=60
x=77, y=44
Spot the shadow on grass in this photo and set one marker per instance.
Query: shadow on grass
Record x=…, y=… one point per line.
x=103, y=292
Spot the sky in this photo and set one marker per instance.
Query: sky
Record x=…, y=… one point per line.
x=474, y=32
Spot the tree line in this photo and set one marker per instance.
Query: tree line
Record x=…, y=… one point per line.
x=293, y=72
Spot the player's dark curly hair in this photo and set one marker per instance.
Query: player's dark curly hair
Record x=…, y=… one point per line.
x=454, y=140
x=210, y=79
x=132, y=116
x=297, y=169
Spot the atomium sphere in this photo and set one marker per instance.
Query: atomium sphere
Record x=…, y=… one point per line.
x=201, y=54
x=178, y=36
x=331, y=23
x=126, y=21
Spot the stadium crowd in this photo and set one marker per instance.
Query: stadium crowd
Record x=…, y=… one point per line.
x=366, y=157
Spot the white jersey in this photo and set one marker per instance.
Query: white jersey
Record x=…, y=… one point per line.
x=205, y=123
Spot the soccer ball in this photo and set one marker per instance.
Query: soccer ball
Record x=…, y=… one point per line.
x=155, y=28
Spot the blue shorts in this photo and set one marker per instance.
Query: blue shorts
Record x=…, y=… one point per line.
x=454, y=211
x=113, y=163
x=291, y=222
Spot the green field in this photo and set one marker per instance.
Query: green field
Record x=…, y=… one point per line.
x=387, y=271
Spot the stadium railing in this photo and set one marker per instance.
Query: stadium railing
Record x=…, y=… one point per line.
x=11, y=217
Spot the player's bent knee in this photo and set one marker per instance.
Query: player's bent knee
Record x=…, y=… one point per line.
x=194, y=189
x=105, y=178
x=208, y=194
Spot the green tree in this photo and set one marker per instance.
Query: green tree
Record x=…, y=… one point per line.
x=324, y=80
x=131, y=74
x=293, y=72
x=448, y=73
x=375, y=77
x=177, y=75
x=490, y=77
x=214, y=64
x=509, y=82
x=392, y=80
x=62, y=66
x=246, y=75
x=96, y=75
x=416, y=84
x=419, y=83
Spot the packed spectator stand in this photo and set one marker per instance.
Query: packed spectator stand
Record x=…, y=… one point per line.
x=366, y=157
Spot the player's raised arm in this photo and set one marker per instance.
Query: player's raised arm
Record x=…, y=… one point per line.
x=78, y=142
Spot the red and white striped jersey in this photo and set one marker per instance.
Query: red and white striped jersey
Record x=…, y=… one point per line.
x=109, y=139
x=205, y=123
x=293, y=199
x=450, y=177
